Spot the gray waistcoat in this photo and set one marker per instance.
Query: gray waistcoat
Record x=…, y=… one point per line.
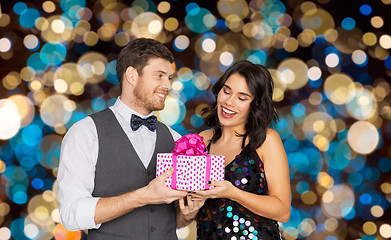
x=119, y=170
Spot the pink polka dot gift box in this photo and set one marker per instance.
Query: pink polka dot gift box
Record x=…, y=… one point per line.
x=193, y=167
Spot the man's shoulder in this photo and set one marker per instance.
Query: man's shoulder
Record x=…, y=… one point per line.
x=82, y=126
x=174, y=133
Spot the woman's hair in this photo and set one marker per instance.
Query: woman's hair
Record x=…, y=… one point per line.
x=138, y=52
x=262, y=112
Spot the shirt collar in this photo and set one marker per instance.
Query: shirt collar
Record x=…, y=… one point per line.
x=125, y=111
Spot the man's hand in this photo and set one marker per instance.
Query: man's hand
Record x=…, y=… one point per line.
x=157, y=192
x=187, y=210
x=191, y=207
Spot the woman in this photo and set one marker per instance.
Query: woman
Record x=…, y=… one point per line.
x=256, y=191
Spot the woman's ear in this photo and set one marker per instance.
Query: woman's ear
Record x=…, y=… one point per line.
x=131, y=76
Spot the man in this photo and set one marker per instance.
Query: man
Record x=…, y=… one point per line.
x=106, y=177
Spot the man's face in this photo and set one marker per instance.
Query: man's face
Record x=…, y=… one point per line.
x=153, y=85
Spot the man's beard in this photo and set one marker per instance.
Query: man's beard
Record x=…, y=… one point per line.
x=142, y=99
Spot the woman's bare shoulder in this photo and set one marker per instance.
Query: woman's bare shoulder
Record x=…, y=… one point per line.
x=206, y=134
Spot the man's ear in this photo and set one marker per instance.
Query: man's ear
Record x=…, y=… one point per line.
x=131, y=75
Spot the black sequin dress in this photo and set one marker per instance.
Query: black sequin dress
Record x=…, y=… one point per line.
x=228, y=220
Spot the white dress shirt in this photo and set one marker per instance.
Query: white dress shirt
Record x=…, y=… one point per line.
x=79, y=154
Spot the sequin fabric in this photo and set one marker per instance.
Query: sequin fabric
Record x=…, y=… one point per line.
x=228, y=220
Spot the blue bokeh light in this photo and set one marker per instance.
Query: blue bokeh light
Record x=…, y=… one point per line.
x=32, y=135
x=348, y=23
x=28, y=17
x=20, y=8
x=365, y=9
x=98, y=104
x=53, y=54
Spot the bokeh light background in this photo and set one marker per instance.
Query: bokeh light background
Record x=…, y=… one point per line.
x=330, y=61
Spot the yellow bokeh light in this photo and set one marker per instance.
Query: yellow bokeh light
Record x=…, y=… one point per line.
x=385, y=41
x=208, y=45
x=106, y=32
x=369, y=39
x=234, y=22
x=308, y=197
x=385, y=230
x=10, y=121
x=171, y=24
x=4, y=19
x=60, y=85
x=317, y=19
x=332, y=60
x=315, y=98
x=369, y=228
x=306, y=37
x=386, y=187
x=308, y=7
x=377, y=22
x=337, y=88
x=41, y=212
x=122, y=38
x=177, y=86
x=55, y=215
x=35, y=85
x=5, y=45
x=238, y=8
x=58, y=26
x=155, y=26
x=377, y=211
x=293, y=73
x=250, y=29
x=53, y=112
x=327, y=197
x=42, y=24
x=25, y=108
x=331, y=35
x=69, y=73
x=341, y=202
x=4, y=208
x=307, y=226
x=163, y=7
x=49, y=6
x=321, y=142
x=27, y=73
x=363, y=137
x=290, y=44
x=11, y=80
x=91, y=38
x=331, y=224
x=147, y=25
x=325, y=180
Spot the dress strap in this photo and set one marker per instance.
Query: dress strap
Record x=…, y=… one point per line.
x=208, y=147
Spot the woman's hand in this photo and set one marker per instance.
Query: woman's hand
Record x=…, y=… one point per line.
x=222, y=189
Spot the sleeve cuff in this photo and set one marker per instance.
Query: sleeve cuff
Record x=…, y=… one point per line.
x=86, y=212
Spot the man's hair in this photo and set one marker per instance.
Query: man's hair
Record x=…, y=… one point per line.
x=138, y=52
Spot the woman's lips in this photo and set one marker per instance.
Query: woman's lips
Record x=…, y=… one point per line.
x=227, y=113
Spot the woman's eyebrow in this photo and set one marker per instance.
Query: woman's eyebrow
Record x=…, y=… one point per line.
x=242, y=93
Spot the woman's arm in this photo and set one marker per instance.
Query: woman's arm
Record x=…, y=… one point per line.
x=277, y=204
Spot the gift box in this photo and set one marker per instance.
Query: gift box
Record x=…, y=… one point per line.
x=193, y=167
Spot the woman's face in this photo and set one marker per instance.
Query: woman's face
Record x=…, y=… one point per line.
x=233, y=102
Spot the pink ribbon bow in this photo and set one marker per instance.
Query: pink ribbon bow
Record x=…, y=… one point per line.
x=190, y=145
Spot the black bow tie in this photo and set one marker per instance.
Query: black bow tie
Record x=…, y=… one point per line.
x=149, y=122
